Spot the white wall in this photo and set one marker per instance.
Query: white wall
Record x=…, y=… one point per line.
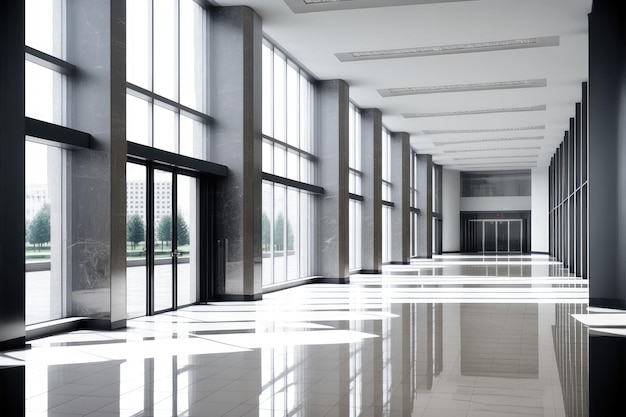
x=451, y=213
x=539, y=209
x=495, y=203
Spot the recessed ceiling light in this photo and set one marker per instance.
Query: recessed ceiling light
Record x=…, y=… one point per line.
x=510, y=129
x=541, y=107
x=461, y=142
x=448, y=49
x=519, y=148
x=455, y=88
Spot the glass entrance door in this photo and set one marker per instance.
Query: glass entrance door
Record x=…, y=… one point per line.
x=162, y=258
x=484, y=235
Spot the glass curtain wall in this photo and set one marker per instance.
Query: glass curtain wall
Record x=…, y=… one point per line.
x=166, y=104
x=288, y=160
x=45, y=170
x=386, y=195
x=356, y=196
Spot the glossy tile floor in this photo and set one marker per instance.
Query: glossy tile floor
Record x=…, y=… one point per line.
x=454, y=336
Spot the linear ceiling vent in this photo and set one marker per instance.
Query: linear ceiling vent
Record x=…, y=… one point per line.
x=495, y=157
x=521, y=148
x=447, y=49
x=541, y=107
x=508, y=129
x=465, y=142
x=456, y=88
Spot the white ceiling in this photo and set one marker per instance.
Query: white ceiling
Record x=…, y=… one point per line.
x=313, y=39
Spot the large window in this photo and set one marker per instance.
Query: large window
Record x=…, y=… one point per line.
x=356, y=197
x=45, y=166
x=387, y=203
x=166, y=104
x=288, y=165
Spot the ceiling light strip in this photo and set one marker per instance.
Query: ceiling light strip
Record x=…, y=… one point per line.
x=462, y=142
x=495, y=157
x=541, y=107
x=489, y=46
x=521, y=148
x=458, y=88
x=508, y=129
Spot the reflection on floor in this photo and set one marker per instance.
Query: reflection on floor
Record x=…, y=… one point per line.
x=454, y=336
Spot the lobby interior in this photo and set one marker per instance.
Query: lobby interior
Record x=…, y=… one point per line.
x=312, y=208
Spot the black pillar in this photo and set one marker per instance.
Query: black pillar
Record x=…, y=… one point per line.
x=12, y=303
x=607, y=153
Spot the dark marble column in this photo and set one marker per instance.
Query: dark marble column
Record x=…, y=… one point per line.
x=12, y=181
x=400, y=161
x=236, y=86
x=333, y=175
x=424, y=222
x=371, y=186
x=607, y=153
x=96, y=44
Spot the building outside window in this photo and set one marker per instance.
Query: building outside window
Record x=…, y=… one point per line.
x=288, y=160
x=45, y=169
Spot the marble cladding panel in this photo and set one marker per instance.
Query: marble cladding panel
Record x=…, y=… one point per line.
x=400, y=162
x=424, y=204
x=236, y=38
x=371, y=183
x=333, y=174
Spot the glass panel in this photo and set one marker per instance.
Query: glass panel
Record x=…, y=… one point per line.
x=268, y=157
x=165, y=129
x=279, y=234
x=279, y=160
x=165, y=48
x=138, y=43
x=490, y=237
x=305, y=170
x=279, y=96
x=292, y=106
x=495, y=184
x=292, y=233
x=306, y=243
x=192, y=138
x=293, y=170
x=44, y=30
x=306, y=115
x=44, y=232
x=268, y=92
x=136, y=270
x=267, y=221
x=163, y=285
x=191, y=56
x=503, y=236
x=138, y=120
x=515, y=236
x=386, y=230
x=43, y=94
x=187, y=240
